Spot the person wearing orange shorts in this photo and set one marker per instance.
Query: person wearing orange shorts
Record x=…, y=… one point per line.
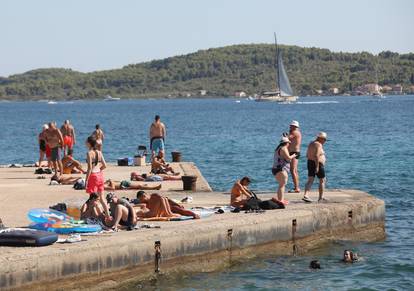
x=69, y=137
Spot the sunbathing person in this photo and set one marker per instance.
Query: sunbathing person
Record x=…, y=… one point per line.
x=92, y=208
x=61, y=180
x=153, y=178
x=240, y=193
x=111, y=185
x=145, y=201
x=123, y=213
x=160, y=166
x=154, y=206
x=71, y=166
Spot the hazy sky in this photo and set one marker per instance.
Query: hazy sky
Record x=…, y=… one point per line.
x=88, y=35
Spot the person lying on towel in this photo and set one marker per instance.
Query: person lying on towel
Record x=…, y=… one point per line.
x=156, y=205
x=111, y=185
x=154, y=178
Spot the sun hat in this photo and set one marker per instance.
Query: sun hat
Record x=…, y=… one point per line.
x=294, y=123
x=284, y=139
x=323, y=135
x=45, y=126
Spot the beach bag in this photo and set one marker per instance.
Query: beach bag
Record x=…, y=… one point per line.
x=79, y=184
x=270, y=204
x=252, y=204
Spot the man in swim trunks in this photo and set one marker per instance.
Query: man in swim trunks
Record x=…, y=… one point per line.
x=126, y=185
x=240, y=193
x=54, y=140
x=61, y=180
x=153, y=178
x=71, y=166
x=122, y=212
x=316, y=166
x=156, y=205
x=42, y=145
x=69, y=137
x=295, y=138
x=157, y=135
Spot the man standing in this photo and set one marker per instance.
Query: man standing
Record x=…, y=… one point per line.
x=69, y=138
x=98, y=134
x=316, y=166
x=295, y=138
x=157, y=136
x=54, y=140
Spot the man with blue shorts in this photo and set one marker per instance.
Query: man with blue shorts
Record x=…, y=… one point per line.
x=157, y=136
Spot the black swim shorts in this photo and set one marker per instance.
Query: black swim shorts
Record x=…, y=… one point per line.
x=55, y=154
x=297, y=154
x=312, y=170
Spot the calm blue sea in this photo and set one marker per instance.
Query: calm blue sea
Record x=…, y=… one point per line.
x=370, y=148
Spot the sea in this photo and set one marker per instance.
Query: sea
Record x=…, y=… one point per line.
x=370, y=147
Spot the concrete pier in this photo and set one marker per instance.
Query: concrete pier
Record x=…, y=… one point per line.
x=109, y=260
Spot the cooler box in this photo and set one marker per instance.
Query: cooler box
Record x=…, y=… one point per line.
x=139, y=160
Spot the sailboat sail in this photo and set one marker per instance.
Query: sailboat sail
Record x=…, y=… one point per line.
x=284, y=84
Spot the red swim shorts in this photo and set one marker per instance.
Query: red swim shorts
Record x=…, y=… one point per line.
x=48, y=151
x=95, y=183
x=68, y=141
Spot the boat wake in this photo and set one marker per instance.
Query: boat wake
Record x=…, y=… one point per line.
x=317, y=102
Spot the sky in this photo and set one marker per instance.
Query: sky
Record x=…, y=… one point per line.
x=90, y=35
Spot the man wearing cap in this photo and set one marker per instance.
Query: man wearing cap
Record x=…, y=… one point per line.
x=316, y=166
x=295, y=138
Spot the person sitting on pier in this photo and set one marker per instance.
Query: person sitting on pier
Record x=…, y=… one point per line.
x=71, y=166
x=143, y=199
x=240, y=193
x=160, y=166
x=153, y=178
x=92, y=208
x=281, y=168
x=122, y=212
x=111, y=185
x=61, y=180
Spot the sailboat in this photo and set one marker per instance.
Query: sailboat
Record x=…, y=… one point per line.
x=284, y=93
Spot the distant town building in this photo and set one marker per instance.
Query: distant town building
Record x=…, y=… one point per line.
x=240, y=94
x=202, y=92
x=397, y=89
x=367, y=89
x=319, y=92
x=334, y=90
x=386, y=88
x=411, y=91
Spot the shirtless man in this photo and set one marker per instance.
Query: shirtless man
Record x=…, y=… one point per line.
x=295, y=138
x=316, y=166
x=157, y=135
x=240, y=189
x=153, y=178
x=71, y=166
x=156, y=205
x=98, y=134
x=111, y=185
x=42, y=145
x=69, y=137
x=61, y=180
x=54, y=140
x=160, y=166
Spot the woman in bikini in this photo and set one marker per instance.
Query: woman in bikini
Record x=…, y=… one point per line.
x=281, y=168
x=111, y=185
x=99, y=136
x=94, y=174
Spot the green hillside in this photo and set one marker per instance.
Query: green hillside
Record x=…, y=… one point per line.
x=220, y=71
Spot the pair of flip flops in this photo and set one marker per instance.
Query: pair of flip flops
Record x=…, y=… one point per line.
x=308, y=200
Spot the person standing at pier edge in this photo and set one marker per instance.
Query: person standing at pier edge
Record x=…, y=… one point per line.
x=316, y=166
x=54, y=140
x=281, y=168
x=99, y=136
x=42, y=145
x=94, y=175
x=295, y=138
x=157, y=136
x=69, y=137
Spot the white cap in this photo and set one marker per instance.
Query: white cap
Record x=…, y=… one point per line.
x=294, y=123
x=45, y=126
x=284, y=139
x=322, y=135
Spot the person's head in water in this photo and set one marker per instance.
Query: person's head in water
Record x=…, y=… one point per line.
x=315, y=264
x=157, y=118
x=142, y=196
x=348, y=256
x=91, y=142
x=245, y=181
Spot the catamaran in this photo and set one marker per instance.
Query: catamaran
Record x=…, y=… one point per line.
x=284, y=93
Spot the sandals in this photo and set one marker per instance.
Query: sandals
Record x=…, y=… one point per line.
x=307, y=199
x=294, y=191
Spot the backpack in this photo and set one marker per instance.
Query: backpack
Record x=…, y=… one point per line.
x=79, y=184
